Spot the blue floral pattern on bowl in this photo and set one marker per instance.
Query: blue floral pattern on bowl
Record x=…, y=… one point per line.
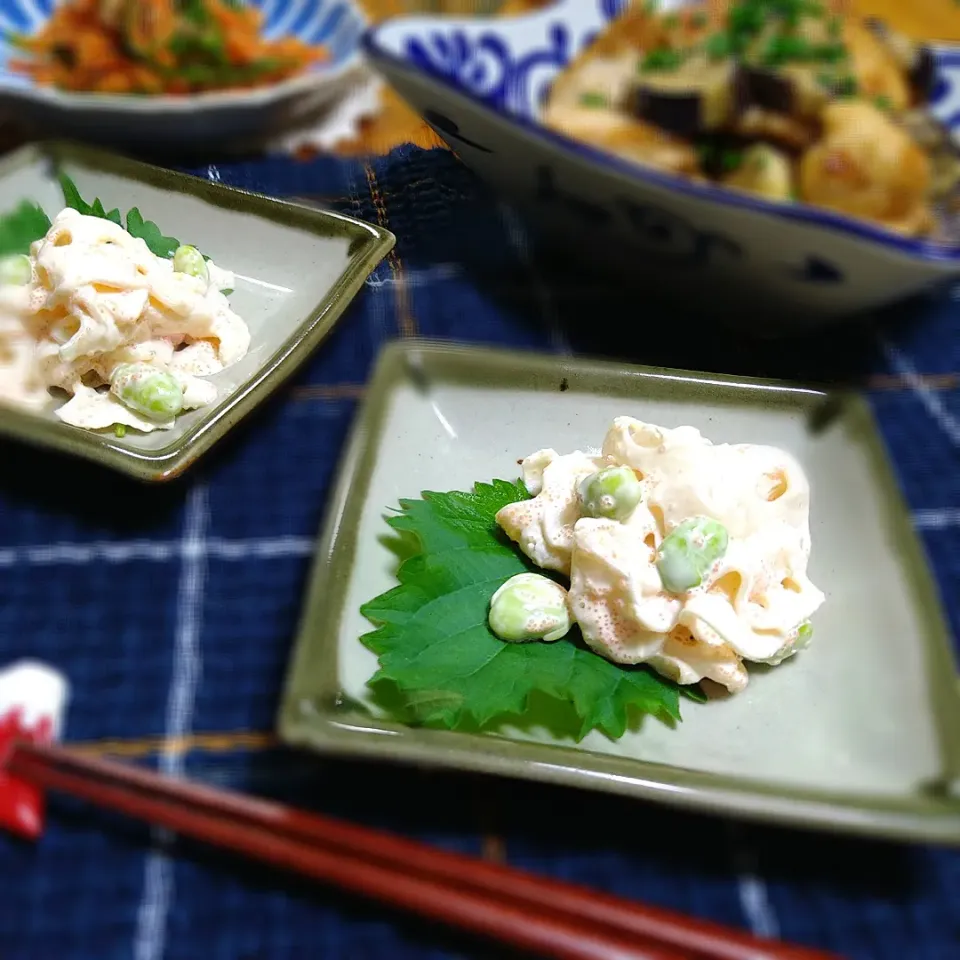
x=507, y=70
x=481, y=84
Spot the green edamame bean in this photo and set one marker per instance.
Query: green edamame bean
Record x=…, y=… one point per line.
x=529, y=607
x=15, y=270
x=189, y=260
x=153, y=393
x=612, y=492
x=689, y=551
x=797, y=641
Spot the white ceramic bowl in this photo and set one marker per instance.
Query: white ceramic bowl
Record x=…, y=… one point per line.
x=480, y=84
x=196, y=120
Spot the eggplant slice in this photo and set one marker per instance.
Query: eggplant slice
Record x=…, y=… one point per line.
x=916, y=59
x=944, y=153
x=796, y=91
x=766, y=89
x=699, y=97
x=923, y=74
x=704, y=98
x=780, y=129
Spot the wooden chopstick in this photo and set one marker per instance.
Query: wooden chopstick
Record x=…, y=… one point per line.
x=535, y=914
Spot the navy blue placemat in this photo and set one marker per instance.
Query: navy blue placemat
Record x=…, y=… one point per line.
x=172, y=610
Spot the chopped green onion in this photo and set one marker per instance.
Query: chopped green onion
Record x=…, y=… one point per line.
x=840, y=85
x=846, y=86
x=883, y=102
x=718, y=46
x=730, y=160
x=661, y=59
x=780, y=49
x=830, y=52
x=120, y=430
x=194, y=10
x=746, y=18
x=593, y=99
x=747, y=21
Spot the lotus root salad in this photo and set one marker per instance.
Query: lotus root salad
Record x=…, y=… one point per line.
x=789, y=100
x=126, y=337
x=679, y=553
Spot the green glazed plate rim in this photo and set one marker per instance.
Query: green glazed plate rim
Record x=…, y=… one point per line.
x=369, y=245
x=315, y=714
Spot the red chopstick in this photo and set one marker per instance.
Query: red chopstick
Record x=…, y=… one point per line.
x=546, y=917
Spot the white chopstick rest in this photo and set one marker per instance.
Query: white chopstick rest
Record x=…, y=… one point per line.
x=33, y=699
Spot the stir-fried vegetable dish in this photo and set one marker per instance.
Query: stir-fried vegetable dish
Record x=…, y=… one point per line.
x=159, y=46
x=792, y=100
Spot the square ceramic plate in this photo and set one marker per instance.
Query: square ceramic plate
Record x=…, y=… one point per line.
x=297, y=269
x=860, y=732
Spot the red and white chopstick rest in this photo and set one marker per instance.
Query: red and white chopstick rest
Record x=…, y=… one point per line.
x=33, y=697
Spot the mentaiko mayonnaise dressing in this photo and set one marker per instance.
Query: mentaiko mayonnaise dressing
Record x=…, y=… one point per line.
x=97, y=299
x=757, y=598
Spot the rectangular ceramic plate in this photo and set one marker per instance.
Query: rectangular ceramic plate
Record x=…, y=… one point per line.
x=861, y=732
x=297, y=269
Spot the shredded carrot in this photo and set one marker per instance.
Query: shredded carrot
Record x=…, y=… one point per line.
x=159, y=46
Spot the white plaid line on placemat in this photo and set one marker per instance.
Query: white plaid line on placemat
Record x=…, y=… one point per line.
x=129, y=551
x=158, y=886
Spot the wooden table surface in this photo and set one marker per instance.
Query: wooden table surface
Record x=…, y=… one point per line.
x=397, y=124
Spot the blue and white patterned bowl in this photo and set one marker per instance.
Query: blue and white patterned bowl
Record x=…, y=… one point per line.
x=199, y=119
x=480, y=84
